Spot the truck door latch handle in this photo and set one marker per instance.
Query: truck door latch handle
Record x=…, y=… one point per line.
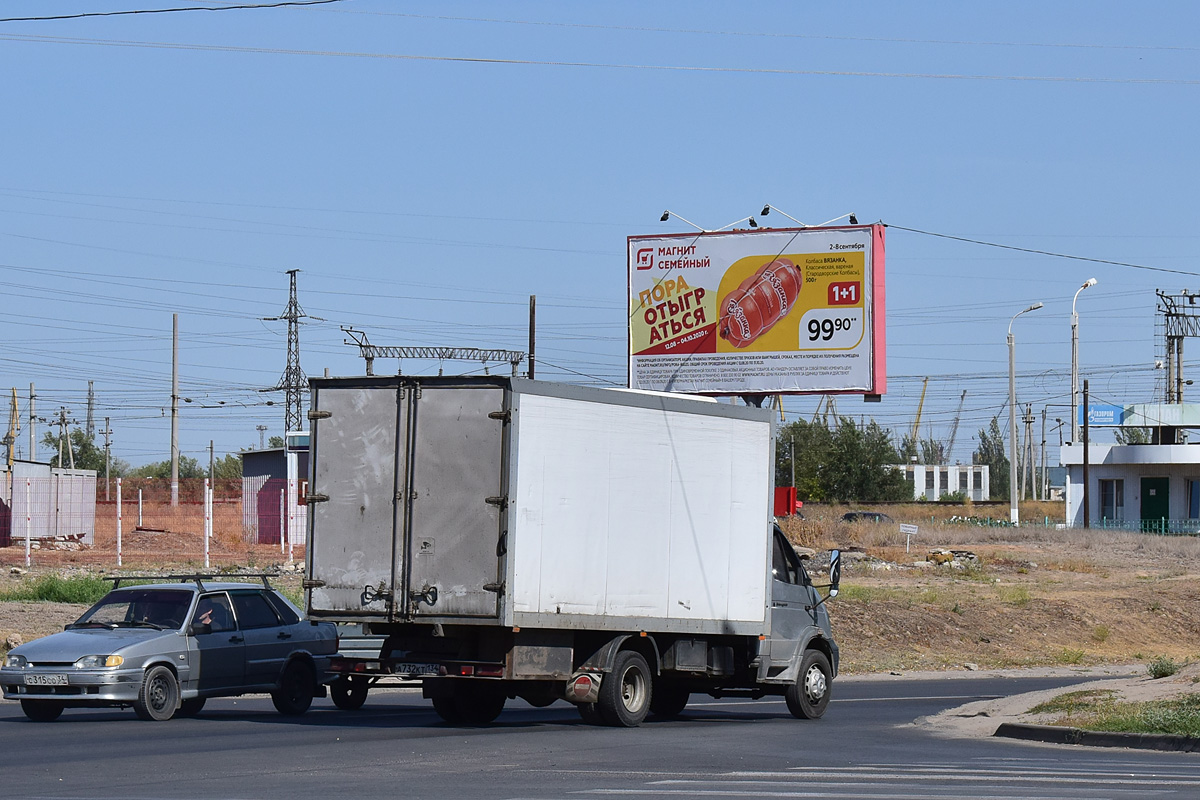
x=428, y=593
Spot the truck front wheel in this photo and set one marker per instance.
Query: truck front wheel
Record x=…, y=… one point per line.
x=625, y=692
x=808, y=697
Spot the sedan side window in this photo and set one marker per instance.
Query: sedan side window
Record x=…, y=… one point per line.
x=213, y=610
x=285, y=612
x=254, y=611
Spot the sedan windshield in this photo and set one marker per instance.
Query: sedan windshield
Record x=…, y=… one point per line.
x=138, y=608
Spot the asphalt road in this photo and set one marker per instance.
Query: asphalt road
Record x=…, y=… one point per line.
x=396, y=747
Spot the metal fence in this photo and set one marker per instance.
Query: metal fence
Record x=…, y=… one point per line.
x=1160, y=527
x=64, y=520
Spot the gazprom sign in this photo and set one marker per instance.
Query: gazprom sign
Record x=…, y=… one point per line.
x=1101, y=414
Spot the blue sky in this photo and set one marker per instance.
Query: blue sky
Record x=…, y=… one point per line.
x=183, y=162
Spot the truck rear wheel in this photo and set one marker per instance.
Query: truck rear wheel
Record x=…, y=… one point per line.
x=808, y=697
x=669, y=699
x=470, y=705
x=625, y=692
x=349, y=693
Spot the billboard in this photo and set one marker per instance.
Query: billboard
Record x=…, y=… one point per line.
x=1103, y=414
x=773, y=311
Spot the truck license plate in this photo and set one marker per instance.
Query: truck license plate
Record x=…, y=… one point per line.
x=415, y=669
x=45, y=680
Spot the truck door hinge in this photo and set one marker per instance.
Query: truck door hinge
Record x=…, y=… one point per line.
x=316, y=498
x=498, y=588
x=503, y=416
x=500, y=502
x=402, y=496
x=314, y=414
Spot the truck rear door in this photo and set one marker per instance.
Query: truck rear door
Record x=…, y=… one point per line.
x=457, y=476
x=357, y=433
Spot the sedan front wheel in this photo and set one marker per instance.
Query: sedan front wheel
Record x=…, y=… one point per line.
x=158, y=698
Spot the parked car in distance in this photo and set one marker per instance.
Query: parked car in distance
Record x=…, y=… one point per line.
x=866, y=516
x=165, y=648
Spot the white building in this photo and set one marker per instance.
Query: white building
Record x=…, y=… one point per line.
x=931, y=481
x=1153, y=487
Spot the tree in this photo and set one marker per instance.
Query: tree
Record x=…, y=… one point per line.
x=849, y=464
x=991, y=451
x=228, y=467
x=1132, y=435
x=275, y=442
x=87, y=455
x=188, y=468
x=801, y=450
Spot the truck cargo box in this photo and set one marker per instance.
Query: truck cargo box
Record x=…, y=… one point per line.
x=508, y=502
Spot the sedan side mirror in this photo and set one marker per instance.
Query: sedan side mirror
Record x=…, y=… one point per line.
x=835, y=571
x=198, y=628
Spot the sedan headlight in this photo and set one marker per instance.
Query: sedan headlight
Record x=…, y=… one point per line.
x=99, y=661
x=16, y=661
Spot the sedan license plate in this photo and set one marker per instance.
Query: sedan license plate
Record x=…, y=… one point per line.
x=45, y=680
x=415, y=669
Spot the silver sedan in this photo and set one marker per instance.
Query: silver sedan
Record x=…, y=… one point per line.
x=165, y=648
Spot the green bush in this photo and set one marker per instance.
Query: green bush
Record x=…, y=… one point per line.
x=56, y=589
x=1162, y=667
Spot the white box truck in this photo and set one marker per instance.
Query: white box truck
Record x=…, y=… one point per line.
x=515, y=538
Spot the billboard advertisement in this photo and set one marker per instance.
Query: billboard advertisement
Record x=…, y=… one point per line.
x=773, y=311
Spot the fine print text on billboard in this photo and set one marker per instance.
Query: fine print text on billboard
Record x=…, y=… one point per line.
x=794, y=310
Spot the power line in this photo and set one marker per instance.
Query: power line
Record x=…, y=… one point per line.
x=1040, y=252
x=595, y=64
x=83, y=14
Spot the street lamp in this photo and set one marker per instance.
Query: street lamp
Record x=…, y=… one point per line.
x=1075, y=361
x=1013, y=514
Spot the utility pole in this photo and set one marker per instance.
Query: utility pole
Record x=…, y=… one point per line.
x=294, y=382
x=32, y=426
x=14, y=427
x=1087, y=514
x=262, y=432
x=91, y=423
x=532, y=330
x=64, y=436
x=211, y=472
x=107, y=455
x=1027, y=462
x=174, y=410
x=1042, y=484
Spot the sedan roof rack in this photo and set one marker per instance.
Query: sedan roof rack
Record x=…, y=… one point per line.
x=194, y=577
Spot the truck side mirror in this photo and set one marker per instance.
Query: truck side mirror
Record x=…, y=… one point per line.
x=835, y=571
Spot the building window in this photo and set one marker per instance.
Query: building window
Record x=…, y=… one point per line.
x=1112, y=500
x=1193, y=498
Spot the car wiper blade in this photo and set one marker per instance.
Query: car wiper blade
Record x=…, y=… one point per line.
x=90, y=623
x=142, y=623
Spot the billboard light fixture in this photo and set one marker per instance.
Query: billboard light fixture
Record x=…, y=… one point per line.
x=753, y=223
x=768, y=208
x=666, y=215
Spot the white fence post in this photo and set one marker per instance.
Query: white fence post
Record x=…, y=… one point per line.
x=291, y=507
x=119, y=518
x=139, y=507
x=207, y=521
x=282, y=506
x=28, y=520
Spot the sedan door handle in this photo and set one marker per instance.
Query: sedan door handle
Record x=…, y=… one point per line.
x=236, y=639
x=284, y=635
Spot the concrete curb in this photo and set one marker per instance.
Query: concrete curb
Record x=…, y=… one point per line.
x=1055, y=734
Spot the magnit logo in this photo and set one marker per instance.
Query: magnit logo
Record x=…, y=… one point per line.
x=645, y=258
